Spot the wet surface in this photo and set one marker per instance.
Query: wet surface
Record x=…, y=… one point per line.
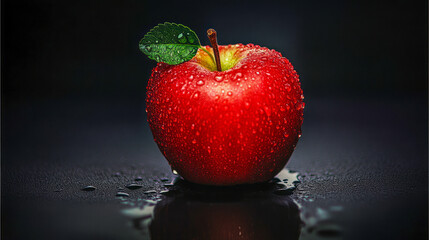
x=362, y=176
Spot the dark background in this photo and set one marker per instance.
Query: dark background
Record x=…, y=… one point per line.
x=73, y=90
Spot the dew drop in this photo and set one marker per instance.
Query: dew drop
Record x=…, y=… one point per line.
x=191, y=40
x=200, y=83
x=238, y=75
x=191, y=77
x=89, y=188
x=122, y=194
x=218, y=78
x=229, y=93
x=134, y=186
x=247, y=105
x=267, y=111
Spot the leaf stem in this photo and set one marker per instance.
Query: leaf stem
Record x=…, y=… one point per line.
x=211, y=34
x=209, y=53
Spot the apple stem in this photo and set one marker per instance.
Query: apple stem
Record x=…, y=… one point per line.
x=211, y=34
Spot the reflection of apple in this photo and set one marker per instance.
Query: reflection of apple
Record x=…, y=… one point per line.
x=229, y=127
x=237, y=216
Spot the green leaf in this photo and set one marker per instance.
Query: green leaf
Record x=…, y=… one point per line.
x=170, y=43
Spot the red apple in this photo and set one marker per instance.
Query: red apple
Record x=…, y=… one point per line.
x=235, y=126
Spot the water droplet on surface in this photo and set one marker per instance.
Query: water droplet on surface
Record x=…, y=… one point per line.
x=122, y=194
x=150, y=191
x=191, y=77
x=133, y=186
x=229, y=93
x=175, y=172
x=89, y=188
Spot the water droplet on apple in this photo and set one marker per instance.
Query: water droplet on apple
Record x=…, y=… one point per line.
x=238, y=75
x=194, y=141
x=191, y=77
x=229, y=93
x=219, y=78
x=134, y=186
x=196, y=95
x=267, y=111
x=191, y=39
x=200, y=83
x=181, y=38
x=247, y=105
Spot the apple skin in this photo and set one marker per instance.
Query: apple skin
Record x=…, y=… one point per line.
x=238, y=126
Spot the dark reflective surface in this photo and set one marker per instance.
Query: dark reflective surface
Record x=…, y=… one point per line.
x=247, y=212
